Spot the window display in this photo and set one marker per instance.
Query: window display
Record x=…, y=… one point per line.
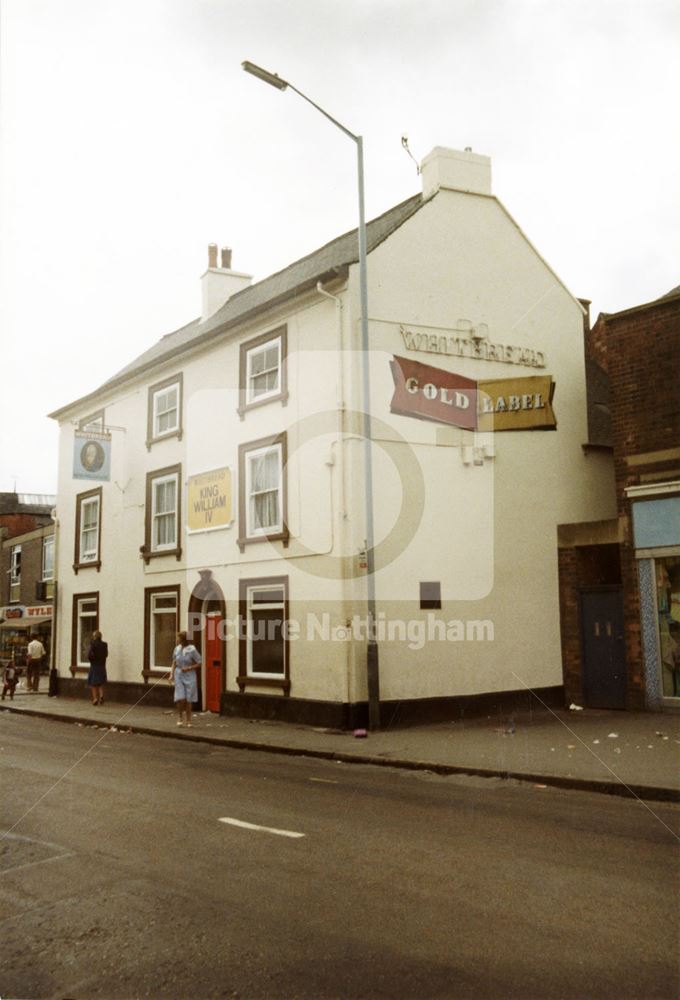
x=668, y=609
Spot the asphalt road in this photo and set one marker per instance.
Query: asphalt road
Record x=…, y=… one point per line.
x=119, y=879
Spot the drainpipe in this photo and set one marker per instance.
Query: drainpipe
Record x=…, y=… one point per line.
x=340, y=403
x=55, y=592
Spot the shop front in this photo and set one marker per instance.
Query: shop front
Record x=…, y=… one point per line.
x=18, y=625
x=656, y=528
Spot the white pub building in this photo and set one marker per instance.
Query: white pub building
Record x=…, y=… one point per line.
x=218, y=482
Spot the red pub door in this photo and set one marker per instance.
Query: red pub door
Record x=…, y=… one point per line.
x=212, y=650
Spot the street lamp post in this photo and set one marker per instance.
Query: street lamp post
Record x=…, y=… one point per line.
x=372, y=664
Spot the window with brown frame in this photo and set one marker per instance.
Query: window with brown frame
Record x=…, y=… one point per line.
x=15, y=574
x=262, y=491
x=84, y=621
x=263, y=376
x=87, y=552
x=264, y=646
x=164, y=410
x=48, y=567
x=161, y=622
x=163, y=513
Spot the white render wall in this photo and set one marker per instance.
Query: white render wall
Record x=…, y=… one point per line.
x=488, y=533
x=212, y=434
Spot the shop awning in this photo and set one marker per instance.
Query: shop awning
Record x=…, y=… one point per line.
x=21, y=624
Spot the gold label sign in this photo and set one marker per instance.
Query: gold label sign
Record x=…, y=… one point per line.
x=209, y=502
x=516, y=404
x=500, y=404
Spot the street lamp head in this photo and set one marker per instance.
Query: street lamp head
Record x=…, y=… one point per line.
x=262, y=74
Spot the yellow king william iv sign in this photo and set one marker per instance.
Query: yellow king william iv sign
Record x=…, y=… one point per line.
x=209, y=501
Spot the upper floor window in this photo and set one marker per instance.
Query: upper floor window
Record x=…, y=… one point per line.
x=164, y=417
x=262, y=490
x=94, y=422
x=15, y=573
x=88, y=529
x=48, y=567
x=163, y=512
x=263, y=370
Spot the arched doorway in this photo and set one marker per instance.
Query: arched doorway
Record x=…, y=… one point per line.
x=207, y=606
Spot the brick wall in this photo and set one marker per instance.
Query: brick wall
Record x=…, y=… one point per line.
x=21, y=524
x=640, y=351
x=31, y=570
x=569, y=626
x=4, y=575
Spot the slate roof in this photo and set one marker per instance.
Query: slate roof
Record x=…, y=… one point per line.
x=27, y=503
x=674, y=292
x=329, y=261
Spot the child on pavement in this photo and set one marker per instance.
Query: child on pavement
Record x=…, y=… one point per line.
x=9, y=681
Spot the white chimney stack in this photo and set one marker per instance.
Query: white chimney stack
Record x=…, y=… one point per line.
x=220, y=283
x=455, y=170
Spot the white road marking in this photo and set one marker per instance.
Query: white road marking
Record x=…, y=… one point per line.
x=326, y=781
x=31, y=864
x=263, y=829
x=41, y=843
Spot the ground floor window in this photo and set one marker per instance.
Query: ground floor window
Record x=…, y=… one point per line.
x=85, y=621
x=667, y=578
x=161, y=622
x=14, y=643
x=263, y=633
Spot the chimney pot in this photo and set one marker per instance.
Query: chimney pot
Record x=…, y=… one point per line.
x=226, y=258
x=212, y=254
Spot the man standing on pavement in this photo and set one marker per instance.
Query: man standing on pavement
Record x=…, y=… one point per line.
x=36, y=653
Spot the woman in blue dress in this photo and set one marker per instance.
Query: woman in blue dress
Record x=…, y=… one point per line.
x=185, y=659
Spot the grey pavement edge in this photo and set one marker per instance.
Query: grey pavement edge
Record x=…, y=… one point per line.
x=617, y=753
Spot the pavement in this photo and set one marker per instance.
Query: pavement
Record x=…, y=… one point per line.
x=632, y=754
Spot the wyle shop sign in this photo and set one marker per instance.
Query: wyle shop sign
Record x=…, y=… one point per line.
x=492, y=405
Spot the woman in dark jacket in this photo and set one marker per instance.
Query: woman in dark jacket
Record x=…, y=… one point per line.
x=96, y=678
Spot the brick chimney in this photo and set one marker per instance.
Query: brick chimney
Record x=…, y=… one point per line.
x=455, y=170
x=220, y=283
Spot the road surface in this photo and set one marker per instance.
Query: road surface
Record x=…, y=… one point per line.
x=133, y=866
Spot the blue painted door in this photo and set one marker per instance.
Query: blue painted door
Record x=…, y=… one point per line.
x=604, y=649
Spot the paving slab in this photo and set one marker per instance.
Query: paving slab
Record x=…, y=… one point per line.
x=623, y=753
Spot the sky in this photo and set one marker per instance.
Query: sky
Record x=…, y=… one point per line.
x=130, y=138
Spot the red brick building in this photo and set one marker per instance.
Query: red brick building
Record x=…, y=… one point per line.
x=620, y=580
x=27, y=584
